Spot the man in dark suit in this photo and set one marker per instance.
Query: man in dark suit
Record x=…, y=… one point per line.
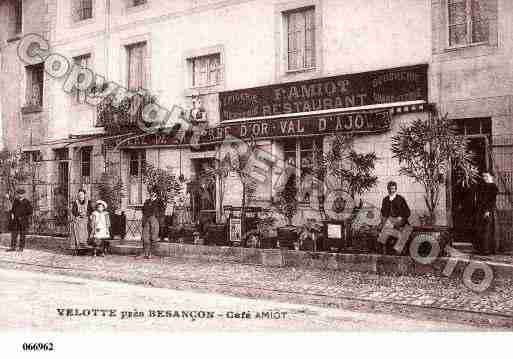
x=19, y=221
x=394, y=221
x=153, y=210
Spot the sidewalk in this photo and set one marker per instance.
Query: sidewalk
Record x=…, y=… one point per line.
x=323, y=287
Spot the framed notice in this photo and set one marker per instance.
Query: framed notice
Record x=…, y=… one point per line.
x=335, y=230
x=235, y=232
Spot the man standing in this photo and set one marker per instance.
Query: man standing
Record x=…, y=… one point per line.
x=20, y=214
x=484, y=220
x=394, y=213
x=152, y=211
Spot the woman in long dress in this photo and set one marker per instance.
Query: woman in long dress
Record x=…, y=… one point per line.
x=80, y=211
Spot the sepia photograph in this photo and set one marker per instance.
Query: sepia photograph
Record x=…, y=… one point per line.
x=255, y=166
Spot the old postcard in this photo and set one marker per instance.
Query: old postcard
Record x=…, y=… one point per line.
x=255, y=165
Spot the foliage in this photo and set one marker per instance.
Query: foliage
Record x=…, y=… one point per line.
x=352, y=169
x=163, y=180
x=308, y=229
x=426, y=149
x=122, y=115
x=110, y=188
x=15, y=170
x=286, y=201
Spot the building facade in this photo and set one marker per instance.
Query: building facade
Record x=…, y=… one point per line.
x=287, y=74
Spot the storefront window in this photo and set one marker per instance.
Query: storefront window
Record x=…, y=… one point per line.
x=302, y=154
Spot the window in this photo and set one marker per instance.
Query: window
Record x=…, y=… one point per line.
x=15, y=18
x=470, y=21
x=35, y=77
x=79, y=96
x=302, y=154
x=206, y=70
x=139, y=2
x=85, y=164
x=136, y=55
x=82, y=9
x=300, y=39
x=137, y=162
x=32, y=156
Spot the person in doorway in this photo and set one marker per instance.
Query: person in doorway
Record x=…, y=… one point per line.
x=19, y=220
x=80, y=211
x=484, y=221
x=100, y=228
x=394, y=219
x=153, y=210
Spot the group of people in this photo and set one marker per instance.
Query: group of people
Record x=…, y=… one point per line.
x=395, y=214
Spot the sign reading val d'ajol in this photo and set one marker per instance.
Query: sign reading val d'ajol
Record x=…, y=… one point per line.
x=362, y=89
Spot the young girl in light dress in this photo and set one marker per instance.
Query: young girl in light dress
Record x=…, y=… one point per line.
x=100, y=228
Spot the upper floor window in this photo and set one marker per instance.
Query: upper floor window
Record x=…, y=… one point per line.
x=79, y=96
x=206, y=70
x=470, y=21
x=136, y=55
x=82, y=9
x=300, y=26
x=15, y=17
x=35, y=79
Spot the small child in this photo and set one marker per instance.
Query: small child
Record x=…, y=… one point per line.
x=100, y=228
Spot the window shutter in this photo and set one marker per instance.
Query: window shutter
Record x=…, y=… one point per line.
x=457, y=21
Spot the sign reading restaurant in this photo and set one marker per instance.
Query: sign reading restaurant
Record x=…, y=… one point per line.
x=345, y=91
x=244, y=112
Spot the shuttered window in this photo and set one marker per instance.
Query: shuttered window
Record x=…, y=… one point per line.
x=136, y=55
x=300, y=38
x=471, y=21
x=206, y=70
x=35, y=78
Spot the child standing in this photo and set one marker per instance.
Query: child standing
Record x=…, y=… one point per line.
x=100, y=228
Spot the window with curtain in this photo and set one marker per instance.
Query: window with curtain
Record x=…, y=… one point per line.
x=470, y=21
x=136, y=165
x=300, y=38
x=136, y=55
x=79, y=96
x=206, y=70
x=35, y=79
x=82, y=9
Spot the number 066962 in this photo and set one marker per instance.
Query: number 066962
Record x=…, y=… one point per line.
x=37, y=346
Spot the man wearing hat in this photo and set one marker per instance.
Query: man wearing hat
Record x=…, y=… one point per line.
x=153, y=210
x=20, y=214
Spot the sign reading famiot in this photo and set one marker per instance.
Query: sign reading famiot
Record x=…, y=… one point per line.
x=368, y=88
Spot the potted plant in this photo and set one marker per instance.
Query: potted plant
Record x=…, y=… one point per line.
x=286, y=204
x=354, y=172
x=365, y=238
x=426, y=150
x=263, y=236
x=308, y=235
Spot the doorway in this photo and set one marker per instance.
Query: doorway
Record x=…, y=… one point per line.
x=478, y=134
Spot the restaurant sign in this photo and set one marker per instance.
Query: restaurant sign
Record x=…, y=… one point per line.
x=345, y=91
x=360, y=122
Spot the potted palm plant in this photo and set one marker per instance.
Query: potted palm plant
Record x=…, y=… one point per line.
x=308, y=235
x=286, y=204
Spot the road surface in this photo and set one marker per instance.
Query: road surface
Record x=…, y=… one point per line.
x=47, y=302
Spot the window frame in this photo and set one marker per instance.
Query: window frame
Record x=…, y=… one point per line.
x=89, y=151
x=141, y=160
x=286, y=19
x=468, y=26
x=75, y=6
x=209, y=70
x=76, y=94
x=143, y=66
x=29, y=95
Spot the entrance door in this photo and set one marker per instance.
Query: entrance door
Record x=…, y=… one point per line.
x=203, y=198
x=463, y=198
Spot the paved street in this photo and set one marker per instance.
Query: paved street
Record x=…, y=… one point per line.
x=31, y=301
